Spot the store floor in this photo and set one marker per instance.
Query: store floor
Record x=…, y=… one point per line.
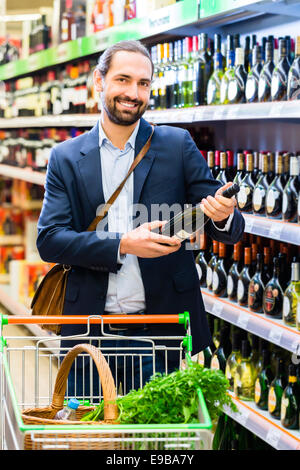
x=33, y=367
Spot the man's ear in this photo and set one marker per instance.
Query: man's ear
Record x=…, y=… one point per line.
x=98, y=81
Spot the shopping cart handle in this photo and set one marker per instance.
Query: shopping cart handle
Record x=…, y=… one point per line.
x=181, y=318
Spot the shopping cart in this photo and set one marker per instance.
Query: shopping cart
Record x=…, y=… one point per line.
x=28, y=370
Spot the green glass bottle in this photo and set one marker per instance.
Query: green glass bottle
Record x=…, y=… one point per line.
x=293, y=89
x=188, y=65
x=265, y=78
x=291, y=296
x=237, y=81
x=204, y=69
x=251, y=90
x=280, y=74
x=220, y=356
x=275, y=190
x=214, y=83
x=211, y=264
x=233, y=359
x=245, y=376
x=204, y=357
x=162, y=95
x=263, y=382
x=222, y=420
x=229, y=435
x=229, y=71
x=153, y=101
x=290, y=401
x=276, y=389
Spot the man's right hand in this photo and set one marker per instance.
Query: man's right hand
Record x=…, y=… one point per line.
x=144, y=243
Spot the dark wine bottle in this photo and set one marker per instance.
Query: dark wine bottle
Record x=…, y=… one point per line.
x=244, y=197
x=251, y=90
x=244, y=279
x=263, y=382
x=234, y=272
x=280, y=74
x=211, y=162
x=204, y=69
x=293, y=87
x=275, y=190
x=273, y=294
x=276, y=389
x=233, y=359
x=256, y=287
x=256, y=168
x=265, y=78
x=290, y=192
x=217, y=163
x=222, y=175
x=201, y=262
x=240, y=168
x=267, y=266
x=219, y=279
x=211, y=264
x=290, y=401
x=237, y=82
x=260, y=189
x=221, y=354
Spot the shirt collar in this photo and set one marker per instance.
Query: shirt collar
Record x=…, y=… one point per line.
x=131, y=141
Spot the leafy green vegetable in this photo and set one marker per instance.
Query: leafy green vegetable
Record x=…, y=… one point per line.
x=172, y=398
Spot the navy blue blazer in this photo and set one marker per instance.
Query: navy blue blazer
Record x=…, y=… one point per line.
x=173, y=171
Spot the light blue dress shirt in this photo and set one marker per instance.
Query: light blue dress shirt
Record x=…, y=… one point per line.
x=126, y=293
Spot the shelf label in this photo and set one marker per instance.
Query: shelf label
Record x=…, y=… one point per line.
x=275, y=336
x=273, y=437
x=275, y=231
x=248, y=224
x=243, y=416
x=217, y=308
x=243, y=320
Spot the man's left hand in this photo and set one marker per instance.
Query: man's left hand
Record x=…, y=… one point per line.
x=219, y=208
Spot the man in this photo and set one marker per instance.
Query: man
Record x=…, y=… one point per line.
x=127, y=269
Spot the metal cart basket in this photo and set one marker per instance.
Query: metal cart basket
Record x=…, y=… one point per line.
x=28, y=369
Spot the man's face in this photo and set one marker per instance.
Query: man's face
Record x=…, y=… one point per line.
x=125, y=90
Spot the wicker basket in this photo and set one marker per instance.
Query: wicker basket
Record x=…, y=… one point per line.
x=45, y=415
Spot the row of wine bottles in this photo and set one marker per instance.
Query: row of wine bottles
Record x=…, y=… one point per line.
x=197, y=71
x=252, y=278
x=256, y=371
x=269, y=183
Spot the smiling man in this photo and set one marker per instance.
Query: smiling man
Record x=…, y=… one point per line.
x=130, y=269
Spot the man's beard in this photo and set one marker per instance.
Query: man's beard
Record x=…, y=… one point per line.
x=123, y=118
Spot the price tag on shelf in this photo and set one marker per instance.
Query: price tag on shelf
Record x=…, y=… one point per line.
x=243, y=416
x=275, y=336
x=275, y=231
x=249, y=224
x=273, y=437
x=242, y=320
x=217, y=308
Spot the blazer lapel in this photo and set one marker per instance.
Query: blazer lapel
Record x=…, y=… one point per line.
x=90, y=168
x=141, y=171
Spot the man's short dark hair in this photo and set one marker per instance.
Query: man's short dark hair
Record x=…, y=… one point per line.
x=129, y=46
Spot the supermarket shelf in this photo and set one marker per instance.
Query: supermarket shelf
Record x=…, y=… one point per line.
x=15, y=308
x=271, y=228
x=171, y=17
x=263, y=425
x=246, y=111
x=24, y=174
x=270, y=329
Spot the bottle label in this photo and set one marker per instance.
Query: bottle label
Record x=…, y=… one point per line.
x=252, y=293
x=211, y=88
x=215, y=281
x=215, y=363
x=250, y=88
x=199, y=271
x=230, y=285
x=257, y=391
x=284, y=405
x=240, y=290
x=262, y=85
x=285, y=202
x=272, y=402
x=228, y=373
x=274, y=85
x=258, y=195
x=270, y=295
x=209, y=276
x=286, y=308
x=232, y=90
x=242, y=196
x=270, y=201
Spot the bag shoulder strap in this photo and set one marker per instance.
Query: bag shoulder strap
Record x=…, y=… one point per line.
x=116, y=193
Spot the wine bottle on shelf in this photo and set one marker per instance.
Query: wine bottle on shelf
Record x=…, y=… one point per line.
x=230, y=172
x=204, y=70
x=244, y=279
x=169, y=73
x=220, y=356
x=256, y=168
x=188, y=84
x=293, y=87
x=234, y=272
x=271, y=166
x=237, y=82
x=240, y=168
x=267, y=266
x=244, y=197
x=255, y=353
x=176, y=66
x=211, y=264
x=222, y=175
x=263, y=382
x=265, y=78
x=251, y=90
x=290, y=192
x=219, y=279
x=275, y=190
x=256, y=287
x=284, y=270
x=204, y=357
x=247, y=54
x=276, y=389
x=201, y=262
x=273, y=295
x=153, y=100
x=214, y=83
x=254, y=251
x=291, y=296
x=216, y=332
x=245, y=375
x=161, y=77
x=280, y=74
x=211, y=162
x=260, y=189
x=229, y=436
x=229, y=71
x=222, y=420
x=217, y=163
x=234, y=359
x=290, y=401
